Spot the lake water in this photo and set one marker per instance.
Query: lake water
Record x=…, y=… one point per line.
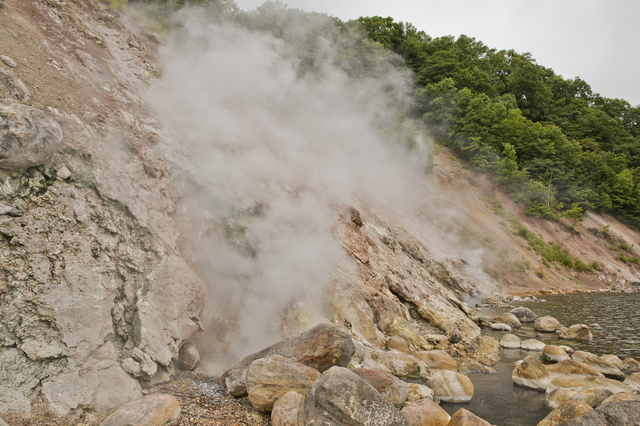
x=502, y=403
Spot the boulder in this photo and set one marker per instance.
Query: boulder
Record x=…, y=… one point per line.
x=397, y=363
x=622, y=396
x=455, y=336
x=510, y=341
x=581, y=355
x=28, y=137
x=589, y=382
x=624, y=413
x=418, y=392
x=450, y=386
x=532, y=345
x=553, y=354
x=569, y=366
x=188, y=357
x=565, y=412
x=633, y=381
x=546, y=324
x=152, y=410
x=567, y=349
x=603, y=367
x=340, y=396
x=393, y=389
x=578, y=332
x=613, y=360
x=425, y=413
x=485, y=349
x=463, y=417
x=630, y=365
x=269, y=378
x=592, y=396
x=287, y=409
x=509, y=319
x=437, y=359
x=321, y=347
x=524, y=315
x=500, y=327
x=531, y=373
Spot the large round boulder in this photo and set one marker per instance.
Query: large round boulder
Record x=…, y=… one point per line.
x=546, y=324
x=269, y=378
x=425, y=413
x=28, y=137
x=464, y=417
x=340, y=396
x=553, y=354
x=393, y=389
x=509, y=319
x=287, y=409
x=450, y=386
x=531, y=374
x=523, y=314
x=565, y=412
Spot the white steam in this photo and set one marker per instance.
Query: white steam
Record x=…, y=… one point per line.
x=276, y=156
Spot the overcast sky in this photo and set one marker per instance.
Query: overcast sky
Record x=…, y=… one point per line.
x=597, y=41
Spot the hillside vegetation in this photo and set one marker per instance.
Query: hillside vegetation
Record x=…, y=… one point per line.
x=552, y=143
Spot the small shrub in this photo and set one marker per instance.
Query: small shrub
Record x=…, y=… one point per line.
x=595, y=265
x=613, y=248
x=581, y=266
x=634, y=260
x=540, y=274
x=622, y=257
x=624, y=246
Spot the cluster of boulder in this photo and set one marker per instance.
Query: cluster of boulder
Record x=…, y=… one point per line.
x=580, y=387
x=304, y=380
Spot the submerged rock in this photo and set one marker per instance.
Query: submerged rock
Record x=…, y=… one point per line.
x=340, y=396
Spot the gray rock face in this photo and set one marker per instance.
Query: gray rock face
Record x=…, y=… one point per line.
x=321, y=347
x=523, y=314
x=340, y=397
x=625, y=413
x=27, y=136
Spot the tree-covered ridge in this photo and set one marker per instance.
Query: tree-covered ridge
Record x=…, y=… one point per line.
x=550, y=141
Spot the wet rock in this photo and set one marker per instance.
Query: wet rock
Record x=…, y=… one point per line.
x=437, y=359
x=269, y=378
x=188, y=356
x=531, y=373
x=580, y=356
x=622, y=396
x=500, y=327
x=463, y=417
x=630, y=365
x=28, y=137
x=509, y=319
x=591, y=396
x=570, y=366
x=553, y=354
x=321, y=347
x=603, y=367
x=625, y=413
x=578, y=332
x=418, y=392
x=450, y=386
x=151, y=410
x=393, y=389
x=524, y=315
x=342, y=397
x=510, y=341
x=565, y=412
x=425, y=413
x=399, y=343
x=546, y=324
x=532, y=345
x=287, y=410
x=633, y=381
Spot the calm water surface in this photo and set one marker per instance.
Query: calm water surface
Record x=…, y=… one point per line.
x=502, y=403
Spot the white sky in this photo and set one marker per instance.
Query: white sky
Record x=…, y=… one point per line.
x=596, y=40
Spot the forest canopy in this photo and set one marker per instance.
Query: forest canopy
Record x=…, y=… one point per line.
x=551, y=143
